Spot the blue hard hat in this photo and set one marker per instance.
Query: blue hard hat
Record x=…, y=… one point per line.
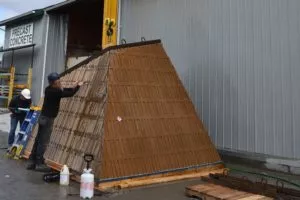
x=53, y=77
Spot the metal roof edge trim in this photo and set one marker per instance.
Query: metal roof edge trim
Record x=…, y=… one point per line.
x=35, y=13
x=18, y=18
x=17, y=48
x=59, y=5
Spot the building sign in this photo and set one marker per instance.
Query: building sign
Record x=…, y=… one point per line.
x=21, y=36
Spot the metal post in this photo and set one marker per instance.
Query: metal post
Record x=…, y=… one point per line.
x=12, y=58
x=3, y=56
x=119, y=22
x=29, y=78
x=32, y=54
x=11, y=84
x=45, y=56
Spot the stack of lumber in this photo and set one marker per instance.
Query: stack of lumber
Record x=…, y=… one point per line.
x=134, y=116
x=217, y=192
x=260, y=186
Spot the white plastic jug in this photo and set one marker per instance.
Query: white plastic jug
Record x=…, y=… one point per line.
x=64, y=175
x=87, y=184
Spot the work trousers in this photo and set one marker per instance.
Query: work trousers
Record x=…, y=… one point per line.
x=14, y=120
x=42, y=139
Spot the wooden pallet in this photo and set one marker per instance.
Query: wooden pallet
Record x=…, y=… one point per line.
x=210, y=191
x=158, y=179
x=143, y=181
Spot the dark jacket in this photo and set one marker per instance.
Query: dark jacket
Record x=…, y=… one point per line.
x=52, y=99
x=16, y=103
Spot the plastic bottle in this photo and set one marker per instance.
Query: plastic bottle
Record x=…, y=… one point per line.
x=64, y=175
x=87, y=184
x=87, y=179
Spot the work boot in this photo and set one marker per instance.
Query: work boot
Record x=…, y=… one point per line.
x=42, y=168
x=31, y=166
x=8, y=150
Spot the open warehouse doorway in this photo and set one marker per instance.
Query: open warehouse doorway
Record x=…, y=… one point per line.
x=64, y=34
x=83, y=36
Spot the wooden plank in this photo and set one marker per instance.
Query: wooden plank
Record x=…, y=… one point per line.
x=254, y=197
x=225, y=193
x=242, y=196
x=201, y=188
x=193, y=194
x=213, y=191
x=158, y=179
x=246, y=185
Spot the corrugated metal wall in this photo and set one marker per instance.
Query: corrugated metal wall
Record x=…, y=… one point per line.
x=56, y=45
x=55, y=56
x=22, y=58
x=239, y=61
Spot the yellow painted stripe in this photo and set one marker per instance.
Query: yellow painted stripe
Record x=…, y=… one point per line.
x=110, y=14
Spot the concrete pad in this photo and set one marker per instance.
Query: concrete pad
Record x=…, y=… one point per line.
x=295, y=170
x=279, y=164
x=5, y=122
x=292, y=163
x=17, y=183
x=4, y=129
x=278, y=167
x=284, y=165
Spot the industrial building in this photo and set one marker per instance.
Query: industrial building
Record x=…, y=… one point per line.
x=61, y=38
x=238, y=59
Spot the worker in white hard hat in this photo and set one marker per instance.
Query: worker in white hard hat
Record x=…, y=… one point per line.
x=22, y=100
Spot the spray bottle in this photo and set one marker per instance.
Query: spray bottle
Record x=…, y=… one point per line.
x=87, y=179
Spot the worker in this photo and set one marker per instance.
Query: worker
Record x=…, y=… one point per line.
x=53, y=94
x=16, y=106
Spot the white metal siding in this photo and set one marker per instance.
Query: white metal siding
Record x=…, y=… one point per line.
x=22, y=58
x=55, y=58
x=239, y=61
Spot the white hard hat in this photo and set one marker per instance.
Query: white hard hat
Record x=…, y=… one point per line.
x=26, y=94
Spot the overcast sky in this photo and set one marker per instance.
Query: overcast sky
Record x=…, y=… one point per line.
x=11, y=8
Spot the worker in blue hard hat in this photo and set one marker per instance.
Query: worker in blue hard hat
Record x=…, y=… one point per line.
x=16, y=106
x=53, y=94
